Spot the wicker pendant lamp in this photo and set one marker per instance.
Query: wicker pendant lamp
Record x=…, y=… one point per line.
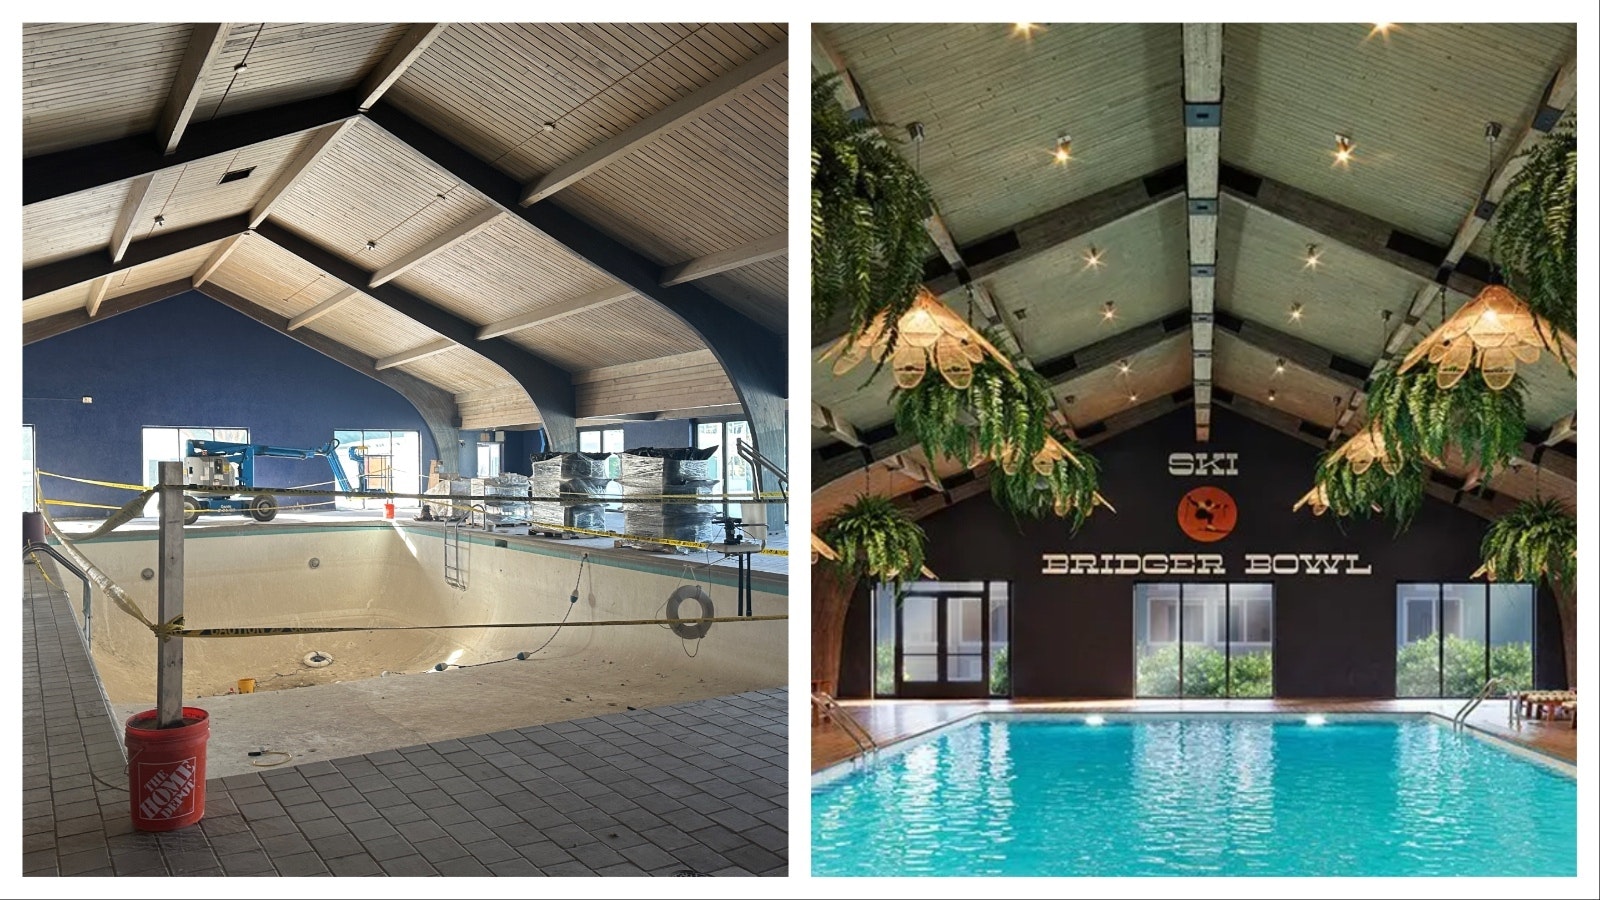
x=1495, y=332
x=927, y=333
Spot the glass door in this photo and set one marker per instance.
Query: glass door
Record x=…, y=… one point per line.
x=943, y=645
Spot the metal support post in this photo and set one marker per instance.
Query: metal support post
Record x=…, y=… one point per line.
x=169, y=668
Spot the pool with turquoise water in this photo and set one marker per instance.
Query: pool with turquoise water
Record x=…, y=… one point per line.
x=1196, y=795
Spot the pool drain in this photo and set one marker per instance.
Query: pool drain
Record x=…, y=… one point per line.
x=316, y=659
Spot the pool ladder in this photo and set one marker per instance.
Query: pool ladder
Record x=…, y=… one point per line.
x=1459, y=720
x=452, y=557
x=829, y=709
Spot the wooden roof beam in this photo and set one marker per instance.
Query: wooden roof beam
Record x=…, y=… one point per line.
x=321, y=309
x=302, y=163
x=460, y=232
x=432, y=348
x=405, y=52
x=1202, y=119
x=130, y=216
x=683, y=112
x=205, y=43
x=218, y=257
x=61, y=323
x=834, y=425
x=725, y=260
x=86, y=267
x=97, y=295
x=552, y=312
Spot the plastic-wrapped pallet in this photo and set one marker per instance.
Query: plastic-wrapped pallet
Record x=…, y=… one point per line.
x=649, y=472
x=561, y=475
x=447, y=489
x=513, y=509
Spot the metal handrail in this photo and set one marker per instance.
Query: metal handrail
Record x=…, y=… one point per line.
x=1459, y=720
x=831, y=709
x=88, y=592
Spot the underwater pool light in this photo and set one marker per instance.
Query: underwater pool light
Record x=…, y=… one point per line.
x=1316, y=720
x=1094, y=720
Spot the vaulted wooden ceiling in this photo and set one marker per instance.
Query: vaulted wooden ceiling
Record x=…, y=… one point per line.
x=570, y=216
x=1143, y=333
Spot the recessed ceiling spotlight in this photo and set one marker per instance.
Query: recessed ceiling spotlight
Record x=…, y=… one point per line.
x=241, y=66
x=1278, y=369
x=1123, y=367
x=1133, y=397
x=1094, y=258
x=1063, y=154
x=1272, y=396
x=1024, y=29
x=1296, y=311
x=1108, y=311
x=548, y=127
x=160, y=221
x=1381, y=29
x=1343, y=150
x=1070, y=399
x=917, y=132
x=372, y=245
x=1313, y=256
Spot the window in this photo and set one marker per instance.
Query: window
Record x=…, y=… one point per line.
x=170, y=445
x=489, y=459
x=729, y=470
x=377, y=459
x=1220, y=645
x=1451, y=638
x=30, y=503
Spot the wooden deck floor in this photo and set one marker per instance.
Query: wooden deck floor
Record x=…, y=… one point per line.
x=889, y=721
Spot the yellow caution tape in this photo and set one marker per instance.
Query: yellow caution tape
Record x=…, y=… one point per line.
x=76, y=503
x=175, y=628
x=109, y=484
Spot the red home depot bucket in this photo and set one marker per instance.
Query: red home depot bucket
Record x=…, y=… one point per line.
x=388, y=510
x=167, y=770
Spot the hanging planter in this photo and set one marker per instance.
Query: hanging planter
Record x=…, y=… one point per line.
x=1492, y=334
x=875, y=538
x=927, y=334
x=1538, y=540
x=868, y=207
x=1364, y=476
x=1061, y=480
x=1535, y=229
x=1421, y=415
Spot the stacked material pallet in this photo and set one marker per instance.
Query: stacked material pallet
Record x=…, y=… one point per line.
x=567, y=475
x=649, y=472
x=505, y=498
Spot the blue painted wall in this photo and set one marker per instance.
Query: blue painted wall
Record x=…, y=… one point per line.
x=190, y=361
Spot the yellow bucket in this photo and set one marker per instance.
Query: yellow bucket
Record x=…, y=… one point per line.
x=247, y=685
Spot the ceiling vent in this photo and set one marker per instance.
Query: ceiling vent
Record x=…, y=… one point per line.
x=237, y=175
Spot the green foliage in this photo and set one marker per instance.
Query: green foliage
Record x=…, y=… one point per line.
x=1421, y=420
x=1538, y=539
x=1205, y=672
x=1000, y=672
x=1396, y=496
x=876, y=538
x=1417, y=667
x=1001, y=412
x=1535, y=229
x=883, y=670
x=868, y=241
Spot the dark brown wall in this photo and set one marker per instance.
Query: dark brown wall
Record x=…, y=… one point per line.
x=1073, y=635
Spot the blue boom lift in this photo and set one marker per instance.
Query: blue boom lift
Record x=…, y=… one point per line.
x=224, y=472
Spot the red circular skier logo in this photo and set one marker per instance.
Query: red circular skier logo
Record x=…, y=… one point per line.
x=1207, y=514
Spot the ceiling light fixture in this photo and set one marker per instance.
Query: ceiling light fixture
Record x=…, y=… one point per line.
x=1343, y=150
x=1133, y=397
x=1381, y=29
x=1092, y=259
x=1063, y=153
x=1123, y=367
x=1278, y=369
x=548, y=127
x=1108, y=311
x=372, y=245
x=1272, y=396
x=1313, y=256
x=1024, y=29
x=1296, y=311
x=160, y=221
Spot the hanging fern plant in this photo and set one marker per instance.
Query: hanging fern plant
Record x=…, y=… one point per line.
x=1421, y=420
x=868, y=206
x=1537, y=540
x=1069, y=490
x=1360, y=486
x=1535, y=229
x=873, y=537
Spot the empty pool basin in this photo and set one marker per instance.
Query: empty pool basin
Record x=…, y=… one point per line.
x=394, y=575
